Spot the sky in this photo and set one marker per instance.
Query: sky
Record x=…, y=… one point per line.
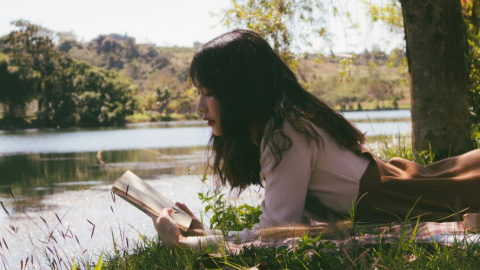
x=165, y=22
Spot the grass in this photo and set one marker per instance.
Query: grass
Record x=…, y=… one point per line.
x=309, y=253
x=156, y=117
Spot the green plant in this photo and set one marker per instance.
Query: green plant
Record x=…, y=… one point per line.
x=400, y=148
x=227, y=217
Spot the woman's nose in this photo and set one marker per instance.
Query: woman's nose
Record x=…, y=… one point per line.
x=201, y=106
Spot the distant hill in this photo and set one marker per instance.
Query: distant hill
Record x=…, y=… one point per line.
x=370, y=80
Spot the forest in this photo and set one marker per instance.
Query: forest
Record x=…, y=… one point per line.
x=50, y=79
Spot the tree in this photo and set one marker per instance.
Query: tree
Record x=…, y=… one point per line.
x=16, y=90
x=56, y=100
x=436, y=46
x=102, y=98
x=163, y=98
x=68, y=92
x=280, y=21
x=30, y=55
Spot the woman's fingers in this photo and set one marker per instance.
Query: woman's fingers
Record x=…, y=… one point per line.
x=185, y=208
x=152, y=216
x=166, y=228
x=196, y=228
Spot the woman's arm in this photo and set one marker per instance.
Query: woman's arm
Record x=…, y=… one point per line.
x=286, y=185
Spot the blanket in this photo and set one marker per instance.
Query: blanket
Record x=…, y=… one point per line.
x=443, y=233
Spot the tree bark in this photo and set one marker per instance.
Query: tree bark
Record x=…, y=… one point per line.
x=436, y=47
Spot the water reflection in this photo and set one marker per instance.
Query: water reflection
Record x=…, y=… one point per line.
x=30, y=177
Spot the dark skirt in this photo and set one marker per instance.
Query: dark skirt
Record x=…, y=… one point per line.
x=400, y=190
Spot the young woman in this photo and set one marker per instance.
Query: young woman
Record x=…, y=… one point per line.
x=267, y=130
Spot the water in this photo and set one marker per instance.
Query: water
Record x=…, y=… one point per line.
x=377, y=115
x=93, y=140
x=160, y=136
x=67, y=175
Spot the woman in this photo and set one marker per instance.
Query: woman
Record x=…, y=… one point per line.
x=268, y=130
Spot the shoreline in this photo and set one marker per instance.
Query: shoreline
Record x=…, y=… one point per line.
x=150, y=121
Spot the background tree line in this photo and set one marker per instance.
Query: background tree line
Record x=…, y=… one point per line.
x=63, y=82
x=375, y=79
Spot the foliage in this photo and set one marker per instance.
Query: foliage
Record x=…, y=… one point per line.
x=163, y=98
x=227, y=217
x=106, y=98
x=153, y=70
x=17, y=88
x=27, y=56
x=471, y=11
x=68, y=92
x=280, y=21
x=80, y=95
x=390, y=13
x=398, y=147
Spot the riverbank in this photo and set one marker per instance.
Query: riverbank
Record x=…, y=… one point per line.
x=29, y=122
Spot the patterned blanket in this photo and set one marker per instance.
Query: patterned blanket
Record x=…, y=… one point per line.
x=444, y=233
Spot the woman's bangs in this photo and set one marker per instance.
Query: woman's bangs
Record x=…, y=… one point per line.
x=204, y=72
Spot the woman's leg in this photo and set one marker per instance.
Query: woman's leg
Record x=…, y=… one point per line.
x=400, y=189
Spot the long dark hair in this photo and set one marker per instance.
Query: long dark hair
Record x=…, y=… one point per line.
x=257, y=93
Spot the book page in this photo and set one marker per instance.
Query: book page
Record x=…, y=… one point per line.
x=139, y=193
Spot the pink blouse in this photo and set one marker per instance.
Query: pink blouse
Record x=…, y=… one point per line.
x=325, y=171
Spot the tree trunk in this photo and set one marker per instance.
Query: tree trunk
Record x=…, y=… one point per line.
x=436, y=47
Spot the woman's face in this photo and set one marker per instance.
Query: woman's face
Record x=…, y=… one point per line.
x=208, y=105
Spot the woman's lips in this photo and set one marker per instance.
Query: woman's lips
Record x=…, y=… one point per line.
x=210, y=122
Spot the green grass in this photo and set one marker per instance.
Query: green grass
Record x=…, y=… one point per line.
x=400, y=146
x=156, y=117
x=309, y=253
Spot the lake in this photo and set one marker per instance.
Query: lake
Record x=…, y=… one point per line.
x=59, y=180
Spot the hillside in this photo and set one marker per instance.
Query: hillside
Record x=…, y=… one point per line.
x=367, y=81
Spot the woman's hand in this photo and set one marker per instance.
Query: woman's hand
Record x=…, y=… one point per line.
x=196, y=227
x=167, y=229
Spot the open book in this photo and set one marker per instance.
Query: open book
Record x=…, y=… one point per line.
x=140, y=194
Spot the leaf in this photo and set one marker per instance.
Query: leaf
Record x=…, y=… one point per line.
x=74, y=265
x=99, y=263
